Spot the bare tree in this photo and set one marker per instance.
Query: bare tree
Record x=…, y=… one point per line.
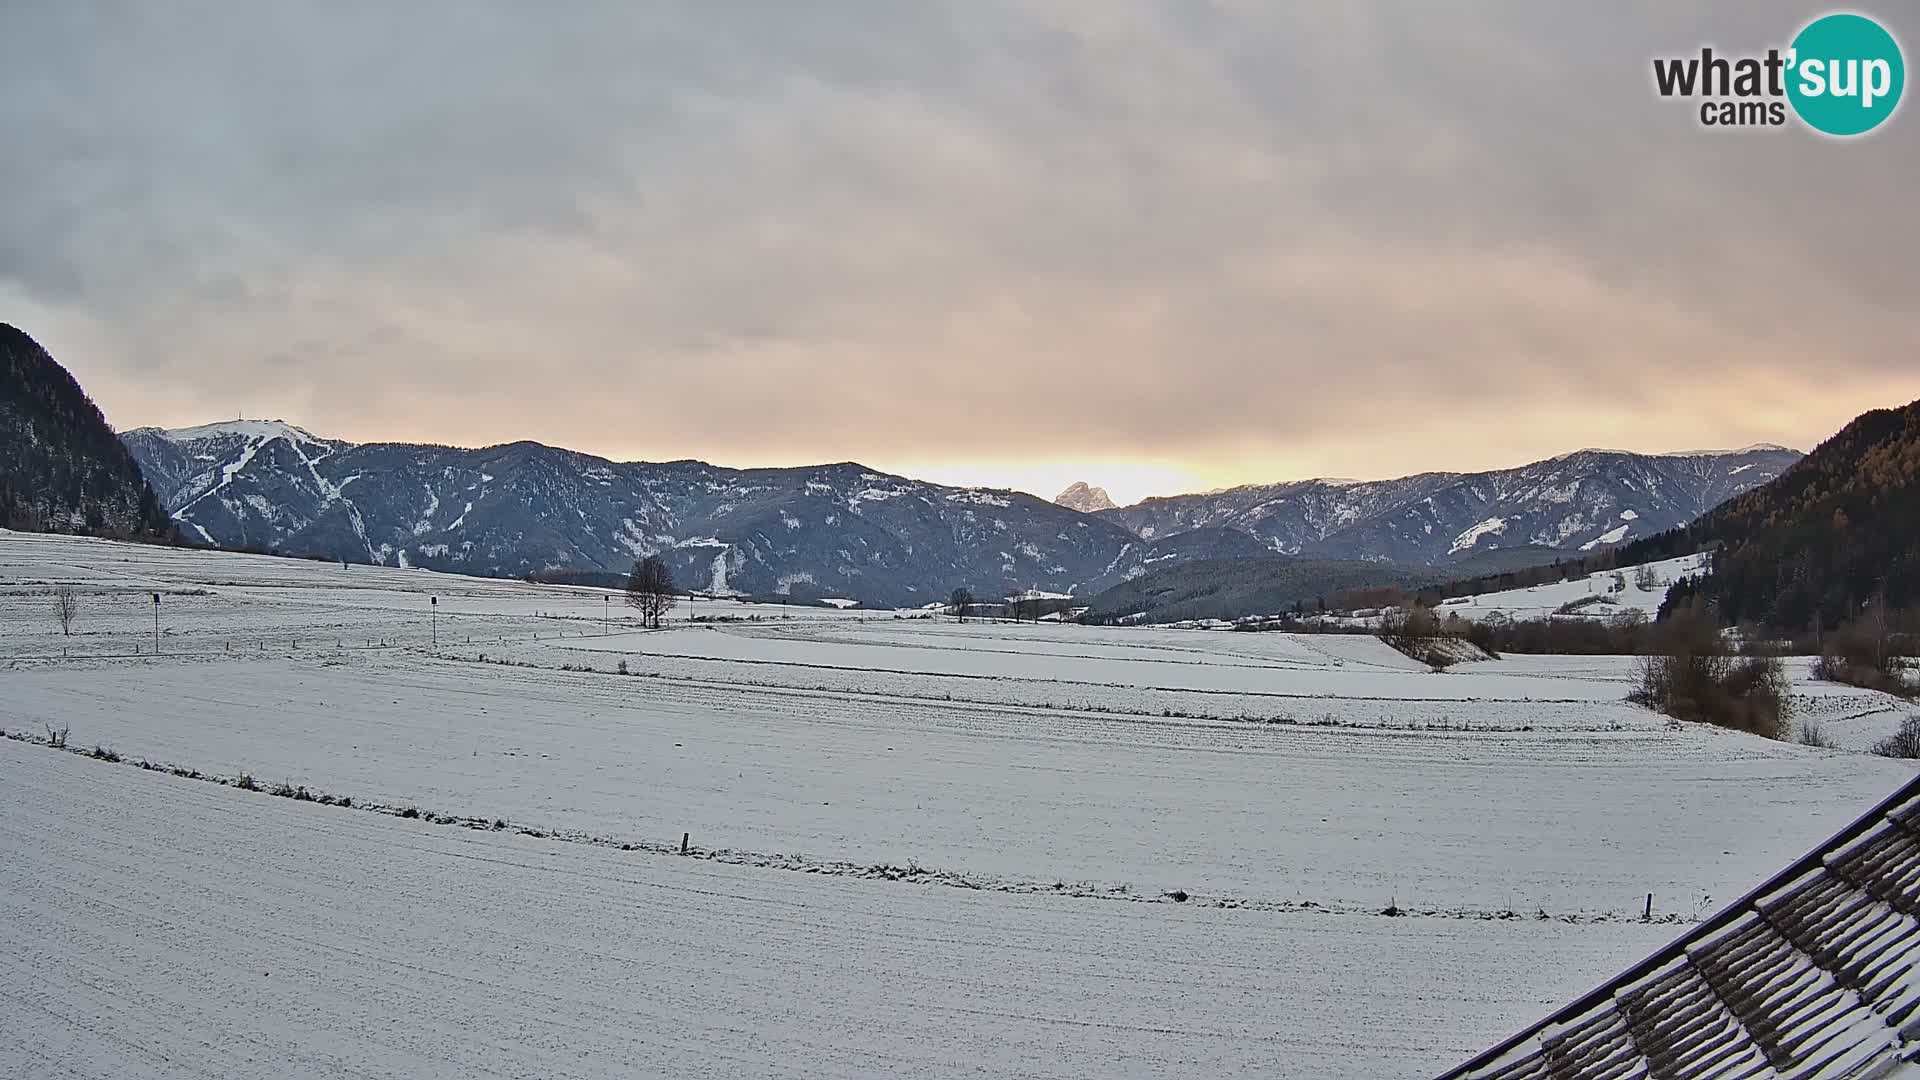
x=68, y=606
x=1028, y=605
x=1691, y=674
x=1878, y=624
x=959, y=601
x=650, y=590
x=1645, y=579
x=1015, y=606
x=1904, y=743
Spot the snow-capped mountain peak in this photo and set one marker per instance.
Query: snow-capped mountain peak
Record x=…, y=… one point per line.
x=261, y=430
x=1079, y=496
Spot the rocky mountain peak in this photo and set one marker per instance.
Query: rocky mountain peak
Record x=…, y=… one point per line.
x=1079, y=496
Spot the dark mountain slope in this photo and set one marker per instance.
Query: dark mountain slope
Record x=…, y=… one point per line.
x=1832, y=533
x=62, y=469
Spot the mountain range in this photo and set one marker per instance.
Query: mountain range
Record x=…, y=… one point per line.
x=844, y=530
x=1580, y=501
x=1800, y=540
x=839, y=530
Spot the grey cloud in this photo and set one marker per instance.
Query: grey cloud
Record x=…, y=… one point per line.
x=1175, y=230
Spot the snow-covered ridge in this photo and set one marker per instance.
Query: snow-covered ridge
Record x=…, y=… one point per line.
x=1756, y=448
x=246, y=429
x=1567, y=502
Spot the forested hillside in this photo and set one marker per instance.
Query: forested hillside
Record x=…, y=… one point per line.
x=62, y=468
x=1836, y=532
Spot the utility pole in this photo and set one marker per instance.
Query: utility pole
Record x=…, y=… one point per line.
x=156, y=624
x=433, y=606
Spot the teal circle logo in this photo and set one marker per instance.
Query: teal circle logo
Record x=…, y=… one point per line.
x=1846, y=74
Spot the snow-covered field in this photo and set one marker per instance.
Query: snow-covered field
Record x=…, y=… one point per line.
x=220, y=602
x=158, y=927
x=1601, y=595
x=915, y=847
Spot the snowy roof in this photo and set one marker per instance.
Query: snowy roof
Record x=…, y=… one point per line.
x=1811, y=975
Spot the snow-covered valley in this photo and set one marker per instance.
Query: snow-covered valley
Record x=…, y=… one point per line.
x=914, y=847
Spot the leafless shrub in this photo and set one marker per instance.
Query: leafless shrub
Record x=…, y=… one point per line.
x=1423, y=635
x=1812, y=734
x=1904, y=743
x=1865, y=653
x=67, y=608
x=57, y=737
x=1691, y=676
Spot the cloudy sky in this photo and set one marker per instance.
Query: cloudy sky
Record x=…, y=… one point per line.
x=1158, y=246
